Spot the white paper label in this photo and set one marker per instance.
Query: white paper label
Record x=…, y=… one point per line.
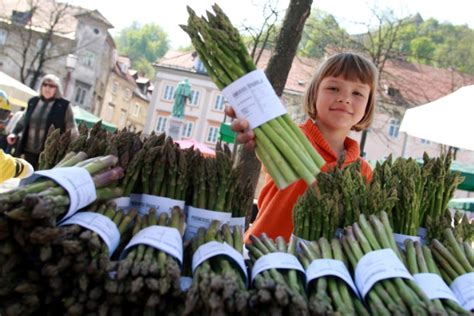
x=276, y=260
x=122, y=203
x=143, y=203
x=322, y=267
x=378, y=265
x=98, y=223
x=76, y=181
x=254, y=99
x=214, y=248
x=400, y=239
x=198, y=218
x=433, y=286
x=463, y=289
x=164, y=238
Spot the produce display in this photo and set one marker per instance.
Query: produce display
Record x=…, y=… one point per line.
x=127, y=224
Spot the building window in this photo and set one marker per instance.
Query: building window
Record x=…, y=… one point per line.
x=81, y=92
x=127, y=94
x=168, y=95
x=136, y=110
x=219, y=104
x=114, y=87
x=123, y=115
x=194, y=99
x=161, y=123
x=187, y=130
x=425, y=141
x=3, y=36
x=110, y=112
x=212, y=134
x=88, y=59
x=394, y=128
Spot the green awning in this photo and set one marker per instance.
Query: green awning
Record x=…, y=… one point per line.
x=467, y=171
x=81, y=115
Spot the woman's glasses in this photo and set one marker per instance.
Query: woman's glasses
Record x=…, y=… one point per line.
x=49, y=85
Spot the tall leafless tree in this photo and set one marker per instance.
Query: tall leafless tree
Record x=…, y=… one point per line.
x=277, y=70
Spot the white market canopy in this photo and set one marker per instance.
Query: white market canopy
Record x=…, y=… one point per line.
x=448, y=120
x=18, y=93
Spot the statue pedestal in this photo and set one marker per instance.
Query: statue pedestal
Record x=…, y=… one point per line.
x=175, y=127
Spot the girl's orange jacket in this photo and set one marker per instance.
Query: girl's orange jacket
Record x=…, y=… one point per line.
x=276, y=206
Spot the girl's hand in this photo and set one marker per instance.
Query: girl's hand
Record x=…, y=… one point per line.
x=245, y=135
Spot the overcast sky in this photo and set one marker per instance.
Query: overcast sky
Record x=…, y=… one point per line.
x=169, y=14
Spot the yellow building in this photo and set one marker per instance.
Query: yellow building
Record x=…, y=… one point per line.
x=126, y=99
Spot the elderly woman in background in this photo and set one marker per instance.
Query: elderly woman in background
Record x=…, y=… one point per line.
x=42, y=112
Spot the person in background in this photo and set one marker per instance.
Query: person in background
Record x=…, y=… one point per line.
x=340, y=99
x=5, y=115
x=42, y=112
x=11, y=167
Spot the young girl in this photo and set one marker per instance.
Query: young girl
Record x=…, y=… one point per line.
x=340, y=98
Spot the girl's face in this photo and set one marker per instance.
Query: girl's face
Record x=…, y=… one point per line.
x=341, y=103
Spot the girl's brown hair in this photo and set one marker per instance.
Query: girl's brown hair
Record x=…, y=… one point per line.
x=352, y=67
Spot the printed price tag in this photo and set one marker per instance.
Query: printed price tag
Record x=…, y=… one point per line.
x=463, y=289
x=164, y=238
x=433, y=286
x=254, y=99
x=378, y=265
x=198, y=218
x=122, y=203
x=322, y=267
x=143, y=203
x=98, y=223
x=400, y=239
x=77, y=182
x=214, y=248
x=276, y=260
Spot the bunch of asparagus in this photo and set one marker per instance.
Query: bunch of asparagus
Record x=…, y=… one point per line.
x=74, y=262
x=329, y=294
x=388, y=296
x=454, y=258
x=339, y=197
x=213, y=182
x=420, y=260
x=55, y=148
x=282, y=147
x=218, y=286
x=148, y=279
x=423, y=192
x=19, y=283
x=439, y=189
x=165, y=171
x=45, y=199
x=276, y=292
